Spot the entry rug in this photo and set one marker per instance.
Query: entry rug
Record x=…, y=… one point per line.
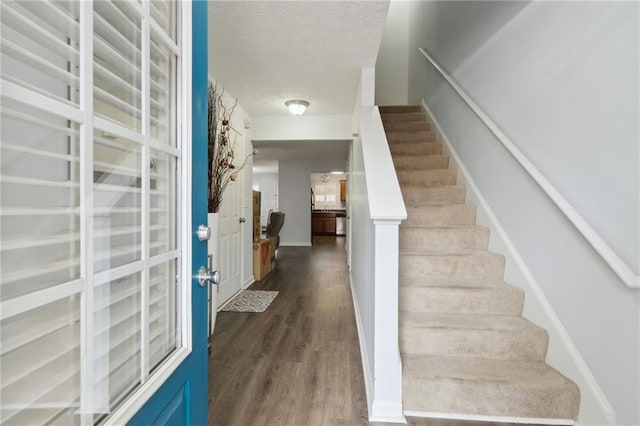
x=251, y=301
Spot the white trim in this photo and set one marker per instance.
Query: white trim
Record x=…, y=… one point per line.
x=116, y=129
x=380, y=407
x=625, y=273
x=226, y=302
x=37, y=100
x=164, y=257
x=109, y=275
x=513, y=257
x=87, y=357
x=34, y=300
x=498, y=419
x=248, y=282
x=295, y=244
x=368, y=380
x=132, y=405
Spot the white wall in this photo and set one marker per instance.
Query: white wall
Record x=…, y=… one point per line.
x=294, y=182
x=302, y=127
x=392, y=86
x=561, y=80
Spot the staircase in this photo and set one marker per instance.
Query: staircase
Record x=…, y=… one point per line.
x=465, y=347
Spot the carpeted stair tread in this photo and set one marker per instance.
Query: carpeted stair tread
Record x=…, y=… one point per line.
x=424, y=196
x=400, y=109
x=427, y=178
x=411, y=137
x=420, y=162
x=472, y=335
x=406, y=126
x=440, y=215
x=466, y=348
x=417, y=148
x=487, y=387
x=444, y=238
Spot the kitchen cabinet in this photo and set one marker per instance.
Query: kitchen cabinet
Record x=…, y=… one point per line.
x=343, y=190
x=324, y=223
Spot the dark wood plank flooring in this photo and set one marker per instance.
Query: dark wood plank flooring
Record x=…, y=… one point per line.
x=298, y=363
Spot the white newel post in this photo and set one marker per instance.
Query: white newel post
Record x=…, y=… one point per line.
x=387, y=404
x=213, y=221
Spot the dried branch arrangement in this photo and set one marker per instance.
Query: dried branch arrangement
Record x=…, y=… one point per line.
x=222, y=170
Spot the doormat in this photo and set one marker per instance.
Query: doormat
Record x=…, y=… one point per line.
x=250, y=301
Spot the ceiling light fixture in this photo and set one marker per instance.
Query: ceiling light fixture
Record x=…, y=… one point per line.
x=297, y=106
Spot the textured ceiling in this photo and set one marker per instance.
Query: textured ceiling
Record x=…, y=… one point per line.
x=266, y=52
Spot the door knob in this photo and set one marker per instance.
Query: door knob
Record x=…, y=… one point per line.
x=207, y=276
x=243, y=220
x=203, y=233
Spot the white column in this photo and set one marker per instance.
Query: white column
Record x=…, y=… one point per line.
x=387, y=402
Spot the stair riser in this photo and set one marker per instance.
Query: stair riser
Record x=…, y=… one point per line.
x=501, y=300
x=411, y=137
x=468, y=266
x=448, y=215
x=473, y=238
x=402, y=109
x=422, y=162
x=530, y=345
x=408, y=116
x=416, y=196
x=406, y=126
x=494, y=398
x=427, y=148
x=427, y=178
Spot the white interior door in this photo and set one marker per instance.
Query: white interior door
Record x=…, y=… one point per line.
x=229, y=242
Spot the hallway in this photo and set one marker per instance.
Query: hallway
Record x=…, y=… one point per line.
x=298, y=362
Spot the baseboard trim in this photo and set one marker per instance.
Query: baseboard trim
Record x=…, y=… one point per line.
x=532, y=287
x=248, y=282
x=295, y=244
x=493, y=419
x=379, y=408
x=229, y=300
x=368, y=380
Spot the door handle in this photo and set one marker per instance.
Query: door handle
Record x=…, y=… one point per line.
x=207, y=276
x=243, y=220
x=203, y=233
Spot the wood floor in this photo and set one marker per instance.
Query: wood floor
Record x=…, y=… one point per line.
x=297, y=363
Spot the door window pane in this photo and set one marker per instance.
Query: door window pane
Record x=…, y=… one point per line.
x=40, y=366
x=117, y=201
x=162, y=203
x=117, y=63
x=39, y=192
x=117, y=343
x=162, y=312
